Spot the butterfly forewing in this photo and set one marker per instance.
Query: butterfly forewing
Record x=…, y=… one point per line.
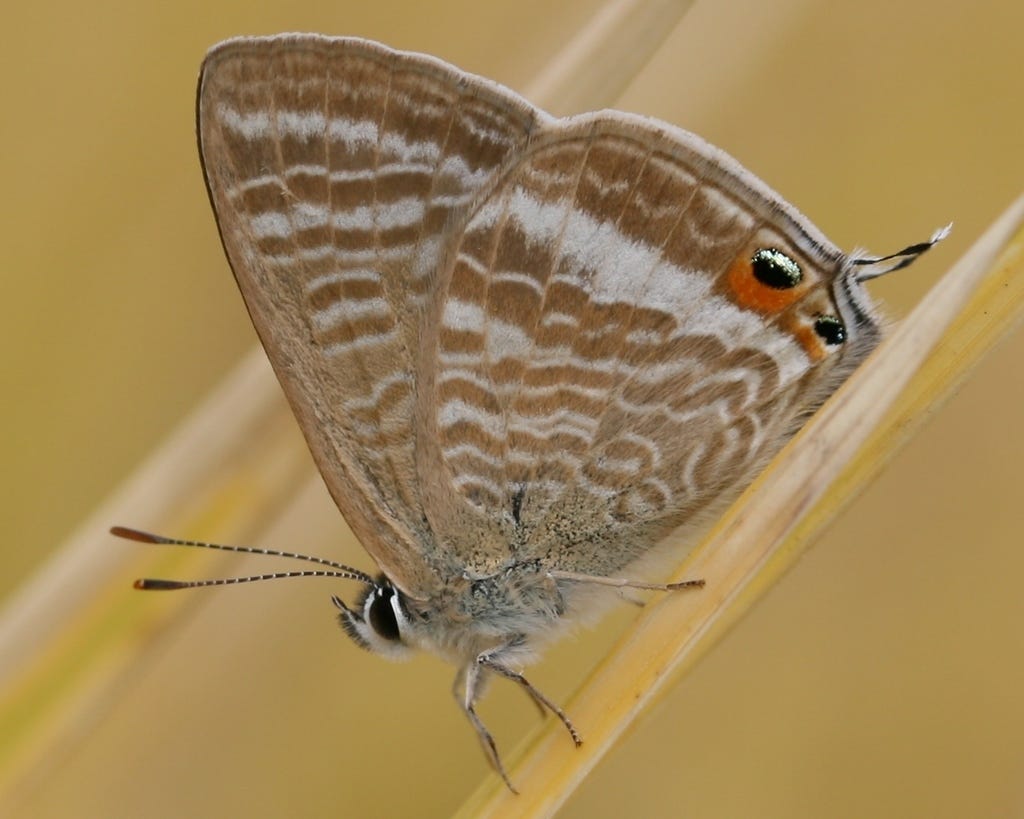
x=602, y=364
x=336, y=169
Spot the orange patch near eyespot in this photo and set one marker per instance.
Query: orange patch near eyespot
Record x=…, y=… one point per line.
x=751, y=294
x=808, y=339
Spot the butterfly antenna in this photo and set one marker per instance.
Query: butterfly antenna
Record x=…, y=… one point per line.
x=152, y=584
x=875, y=266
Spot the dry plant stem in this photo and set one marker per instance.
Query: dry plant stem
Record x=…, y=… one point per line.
x=59, y=662
x=595, y=67
x=974, y=306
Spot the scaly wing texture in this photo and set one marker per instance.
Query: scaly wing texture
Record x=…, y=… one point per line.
x=603, y=363
x=336, y=169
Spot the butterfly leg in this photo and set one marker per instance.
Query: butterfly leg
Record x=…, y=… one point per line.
x=492, y=662
x=469, y=684
x=623, y=583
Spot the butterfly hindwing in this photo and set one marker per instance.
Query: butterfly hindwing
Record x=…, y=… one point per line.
x=605, y=362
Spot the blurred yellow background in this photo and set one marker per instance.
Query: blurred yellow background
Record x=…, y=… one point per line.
x=882, y=677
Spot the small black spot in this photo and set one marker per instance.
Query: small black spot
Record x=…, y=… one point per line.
x=775, y=269
x=517, y=504
x=382, y=616
x=831, y=329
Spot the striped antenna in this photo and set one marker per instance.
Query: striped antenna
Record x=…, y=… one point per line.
x=156, y=584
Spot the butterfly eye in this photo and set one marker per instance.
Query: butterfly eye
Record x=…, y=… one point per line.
x=831, y=330
x=377, y=623
x=774, y=268
x=381, y=614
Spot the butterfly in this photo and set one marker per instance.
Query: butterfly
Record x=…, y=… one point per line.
x=523, y=350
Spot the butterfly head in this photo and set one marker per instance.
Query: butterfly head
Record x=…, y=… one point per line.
x=379, y=622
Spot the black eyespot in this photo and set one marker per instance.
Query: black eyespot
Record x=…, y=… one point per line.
x=831, y=330
x=775, y=269
x=382, y=615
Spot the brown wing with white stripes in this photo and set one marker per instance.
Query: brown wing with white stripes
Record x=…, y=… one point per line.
x=336, y=169
x=628, y=326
